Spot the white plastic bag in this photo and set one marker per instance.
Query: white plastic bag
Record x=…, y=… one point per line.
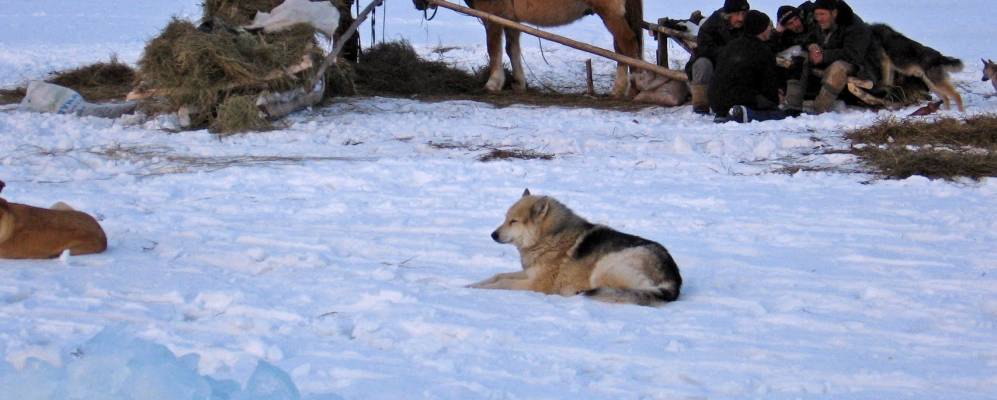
x=48, y=98
x=320, y=14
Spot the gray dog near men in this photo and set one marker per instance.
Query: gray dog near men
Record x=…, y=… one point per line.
x=564, y=254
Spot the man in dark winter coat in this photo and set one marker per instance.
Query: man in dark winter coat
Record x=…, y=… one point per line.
x=746, y=77
x=718, y=30
x=794, y=26
x=842, y=47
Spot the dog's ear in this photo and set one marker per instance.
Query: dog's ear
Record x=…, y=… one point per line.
x=526, y=192
x=540, y=208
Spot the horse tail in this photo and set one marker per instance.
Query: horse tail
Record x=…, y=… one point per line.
x=634, y=14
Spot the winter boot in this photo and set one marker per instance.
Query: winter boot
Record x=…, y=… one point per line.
x=825, y=100
x=700, y=103
x=794, y=95
x=740, y=114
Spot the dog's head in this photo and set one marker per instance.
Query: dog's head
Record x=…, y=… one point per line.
x=530, y=219
x=989, y=70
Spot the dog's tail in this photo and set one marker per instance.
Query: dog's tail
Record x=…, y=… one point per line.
x=949, y=64
x=644, y=297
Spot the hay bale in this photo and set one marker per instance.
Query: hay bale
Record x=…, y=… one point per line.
x=238, y=114
x=395, y=67
x=197, y=69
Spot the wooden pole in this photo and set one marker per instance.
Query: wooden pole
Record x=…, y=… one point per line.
x=633, y=62
x=588, y=77
x=662, y=48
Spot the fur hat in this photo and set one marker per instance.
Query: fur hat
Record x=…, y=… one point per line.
x=733, y=6
x=756, y=22
x=826, y=4
x=785, y=14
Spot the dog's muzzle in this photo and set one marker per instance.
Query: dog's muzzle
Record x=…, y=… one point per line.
x=986, y=78
x=495, y=236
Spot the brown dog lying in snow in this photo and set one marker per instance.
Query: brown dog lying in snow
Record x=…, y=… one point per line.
x=32, y=232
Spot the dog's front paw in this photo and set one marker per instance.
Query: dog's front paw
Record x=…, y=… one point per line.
x=479, y=285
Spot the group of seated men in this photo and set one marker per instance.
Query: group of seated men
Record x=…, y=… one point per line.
x=734, y=73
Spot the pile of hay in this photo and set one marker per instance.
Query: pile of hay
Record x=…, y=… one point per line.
x=98, y=82
x=237, y=114
x=395, y=68
x=212, y=72
x=201, y=68
x=946, y=148
x=102, y=81
x=11, y=96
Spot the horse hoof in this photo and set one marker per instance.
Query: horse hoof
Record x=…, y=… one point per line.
x=493, y=87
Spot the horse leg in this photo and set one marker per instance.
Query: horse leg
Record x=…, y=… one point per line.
x=516, y=58
x=496, y=78
x=625, y=43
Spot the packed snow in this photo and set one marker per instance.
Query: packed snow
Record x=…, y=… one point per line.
x=329, y=259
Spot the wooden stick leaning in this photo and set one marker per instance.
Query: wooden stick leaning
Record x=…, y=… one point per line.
x=633, y=62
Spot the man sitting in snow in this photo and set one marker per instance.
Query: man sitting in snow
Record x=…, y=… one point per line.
x=718, y=30
x=746, y=84
x=793, y=31
x=842, y=47
x=794, y=26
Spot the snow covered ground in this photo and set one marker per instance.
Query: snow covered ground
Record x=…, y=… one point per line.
x=337, y=249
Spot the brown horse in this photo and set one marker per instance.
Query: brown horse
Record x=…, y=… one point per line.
x=622, y=18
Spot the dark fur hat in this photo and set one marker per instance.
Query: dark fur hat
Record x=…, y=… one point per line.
x=733, y=6
x=785, y=14
x=826, y=4
x=756, y=22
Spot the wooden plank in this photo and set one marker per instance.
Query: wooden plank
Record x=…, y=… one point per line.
x=867, y=98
